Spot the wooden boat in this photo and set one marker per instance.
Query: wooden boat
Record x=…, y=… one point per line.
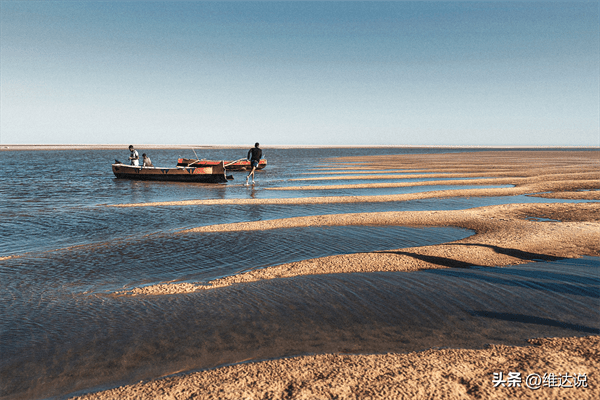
x=238, y=165
x=211, y=174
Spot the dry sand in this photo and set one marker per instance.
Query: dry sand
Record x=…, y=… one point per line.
x=503, y=235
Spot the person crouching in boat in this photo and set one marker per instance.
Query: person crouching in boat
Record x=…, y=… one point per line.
x=254, y=155
x=134, y=157
x=147, y=161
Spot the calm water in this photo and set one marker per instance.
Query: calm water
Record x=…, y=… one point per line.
x=62, y=331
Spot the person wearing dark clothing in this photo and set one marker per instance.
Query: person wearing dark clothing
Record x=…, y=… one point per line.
x=254, y=155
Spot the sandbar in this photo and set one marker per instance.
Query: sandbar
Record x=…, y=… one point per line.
x=552, y=174
x=503, y=235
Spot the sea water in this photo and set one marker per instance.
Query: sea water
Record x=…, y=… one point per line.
x=63, y=330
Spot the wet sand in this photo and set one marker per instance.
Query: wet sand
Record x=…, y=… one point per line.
x=432, y=374
x=503, y=235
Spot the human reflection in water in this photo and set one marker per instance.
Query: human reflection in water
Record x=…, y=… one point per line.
x=253, y=193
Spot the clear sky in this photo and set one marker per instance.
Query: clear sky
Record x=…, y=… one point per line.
x=300, y=73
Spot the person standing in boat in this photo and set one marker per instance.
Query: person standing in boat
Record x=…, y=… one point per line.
x=134, y=157
x=254, y=155
x=147, y=161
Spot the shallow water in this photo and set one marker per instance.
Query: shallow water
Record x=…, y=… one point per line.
x=150, y=259
x=55, y=228
x=61, y=330
x=99, y=340
x=356, y=179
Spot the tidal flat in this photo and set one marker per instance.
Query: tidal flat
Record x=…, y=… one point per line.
x=446, y=269
x=559, y=234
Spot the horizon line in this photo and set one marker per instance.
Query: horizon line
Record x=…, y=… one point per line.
x=275, y=146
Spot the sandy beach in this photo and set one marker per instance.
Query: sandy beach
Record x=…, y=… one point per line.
x=503, y=236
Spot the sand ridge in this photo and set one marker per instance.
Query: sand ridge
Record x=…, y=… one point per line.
x=503, y=235
x=534, y=173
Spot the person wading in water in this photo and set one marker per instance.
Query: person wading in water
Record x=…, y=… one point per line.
x=254, y=155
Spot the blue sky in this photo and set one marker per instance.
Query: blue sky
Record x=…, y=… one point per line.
x=300, y=73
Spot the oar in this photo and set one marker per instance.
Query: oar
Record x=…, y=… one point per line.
x=233, y=162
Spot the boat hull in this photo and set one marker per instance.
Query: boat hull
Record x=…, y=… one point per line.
x=213, y=174
x=240, y=165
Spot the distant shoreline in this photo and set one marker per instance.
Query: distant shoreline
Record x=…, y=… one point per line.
x=34, y=147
